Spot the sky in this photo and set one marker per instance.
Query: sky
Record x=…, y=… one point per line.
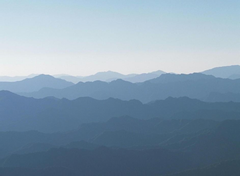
x=82, y=37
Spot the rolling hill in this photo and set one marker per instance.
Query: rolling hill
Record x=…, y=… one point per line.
x=232, y=72
x=34, y=84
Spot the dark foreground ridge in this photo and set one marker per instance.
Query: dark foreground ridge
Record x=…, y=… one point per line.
x=122, y=146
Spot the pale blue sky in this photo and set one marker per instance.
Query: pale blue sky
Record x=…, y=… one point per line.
x=82, y=37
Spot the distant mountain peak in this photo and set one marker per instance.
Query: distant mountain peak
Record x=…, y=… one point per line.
x=34, y=84
x=46, y=77
x=224, y=71
x=43, y=76
x=158, y=72
x=170, y=77
x=120, y=81
x=108, y=73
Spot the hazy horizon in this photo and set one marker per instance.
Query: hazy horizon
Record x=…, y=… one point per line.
x=129, y=73
x=86, y=37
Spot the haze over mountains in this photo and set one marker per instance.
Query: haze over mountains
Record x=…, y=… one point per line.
x=199, y=86
x=119, y=88
x=109, y=76
x=148, y=124
x=231, y=72
x=15, y=78
x=34, y=84
x=196, y=85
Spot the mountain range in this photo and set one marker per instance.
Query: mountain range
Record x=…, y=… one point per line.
x=51, y=115
x=198, y=86
x=231, y=72
x=111, y=76
x=157, y=123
